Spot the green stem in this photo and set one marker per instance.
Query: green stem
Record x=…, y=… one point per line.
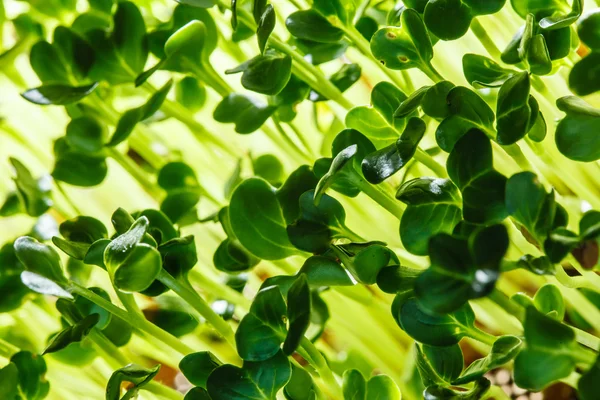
x=7, y=350
x=505, y=303
x=137, y=323
x=424, y=158
x=184, y=290
x=324, y=86
x=175, y=110
x=318, y=361
x=487, y=42
x=432, y=73
x=301, y=137
x=481, y=336
x=289, y=142
x=591, y=276
x=135, y=171
x=220, y=290
x=393, y=206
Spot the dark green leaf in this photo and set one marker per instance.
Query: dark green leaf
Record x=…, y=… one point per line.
x=266, y=24
x=310, y=25
x=483, y=71
x=72, y=334
x=433, y=207
x=58, y=94
x=198, y=366
x=574, y=133
x=138, y=377
x=298, y=313
x=248, y=113
x=255, y=380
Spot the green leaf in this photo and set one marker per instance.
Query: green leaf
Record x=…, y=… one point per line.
x=132, y=265
x=46, y=63
x=190, y=93
x=536, y=7
x=588, y=29
x=263, y=329
x=257, y=220
x=198, y=366
x=57, y=94
x=554, y=22
x=33, y=195
x=467, y=111
x=255, y=380
x=311, y=25
x=549, y=352
x=79, y=233
x=337, y=165
x=433, y=207
x=435, y=330
x=382, y=164
x=129, y=35
x=31, y=377
x=40, y=260
x=528, y=202
x=133, y=116
x=470, y=166
x=406, y=47
x=461, y=269
x=587, y=385
x=266, y=25
x=574, y=133
x=438, y=365
x=548, y=299
x=267, y=73
x=198, y=3
x=288, y=195
x=9, y=387
x=355, y=387
x=72, y=334
x=504, y=350
x=412, y=103
x=477, y=392
x=136, y=375
x=231, y=257
x=396, y=279
x=336, y=10
x=514, y=115
x=300, y=386
x=481, y=71
x=584, y=78
x=298, y=313
x=448, y=19
x=86, y=134
x=323, y=271
x=247, y=113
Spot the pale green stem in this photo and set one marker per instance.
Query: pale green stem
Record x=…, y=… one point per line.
x=138, y=324
x=190, y=296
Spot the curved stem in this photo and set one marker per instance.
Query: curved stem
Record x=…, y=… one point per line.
x=138, y=324
x=184, y=290
x=308, y=350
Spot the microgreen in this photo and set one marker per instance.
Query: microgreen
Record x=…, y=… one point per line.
x=300, y=200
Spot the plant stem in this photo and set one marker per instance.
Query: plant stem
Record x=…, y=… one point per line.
x=318, y=361
x=393, y=206
x=481, y=336
x=7, y=349
x=505, y=303
x=137, y=323
x=424, y=158
x=487, y=42
x=190, y=296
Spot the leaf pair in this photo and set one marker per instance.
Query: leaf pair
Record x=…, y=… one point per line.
x=461, y=268
x=263, y=329
x=356, y=387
